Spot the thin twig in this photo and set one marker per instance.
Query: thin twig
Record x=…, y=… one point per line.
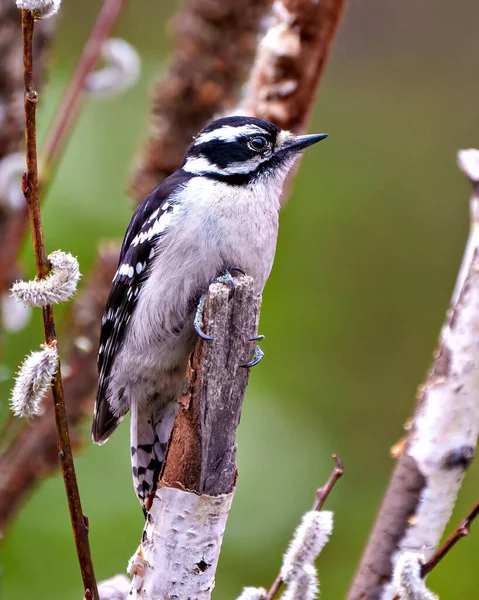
x=67, y=110
x=321, y=496
x=30, y=186
x=463, y=530
x=323, y=492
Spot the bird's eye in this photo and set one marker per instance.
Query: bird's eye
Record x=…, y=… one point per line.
x=258, y=143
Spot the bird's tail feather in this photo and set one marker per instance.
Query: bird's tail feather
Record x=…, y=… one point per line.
x=149, y=433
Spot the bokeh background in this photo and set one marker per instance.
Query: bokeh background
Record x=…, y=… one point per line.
x=370, y=243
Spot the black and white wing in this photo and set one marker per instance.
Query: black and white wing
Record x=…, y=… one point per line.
x=138, y=249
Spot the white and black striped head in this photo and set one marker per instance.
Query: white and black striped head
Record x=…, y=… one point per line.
x=238, y=150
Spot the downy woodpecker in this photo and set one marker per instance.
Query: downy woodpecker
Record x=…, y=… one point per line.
x=216, y=213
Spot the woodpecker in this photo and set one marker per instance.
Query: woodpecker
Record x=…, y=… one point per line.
x=217, y=213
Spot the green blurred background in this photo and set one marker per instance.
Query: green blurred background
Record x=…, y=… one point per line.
x=369, y=247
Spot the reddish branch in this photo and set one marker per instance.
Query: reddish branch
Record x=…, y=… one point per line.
x=463, y=530
x=58, y=133
x=321, y=497
x=12, y=131
x=31, y=192
x=70, y=104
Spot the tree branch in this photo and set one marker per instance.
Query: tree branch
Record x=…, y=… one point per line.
x=441, y=441
x=31, y=192
x=463, y=530
x=184, y=529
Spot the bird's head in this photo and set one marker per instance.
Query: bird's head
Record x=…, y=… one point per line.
x=238, y=150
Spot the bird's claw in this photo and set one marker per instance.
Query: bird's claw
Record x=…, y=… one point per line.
x=257, y=355
x=198, y=322
x=226, y=278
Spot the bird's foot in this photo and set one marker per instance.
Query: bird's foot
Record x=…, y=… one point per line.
x=198, y=322
x=257, y=355
x=228, y=279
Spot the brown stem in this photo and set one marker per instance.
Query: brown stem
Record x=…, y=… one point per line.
x=31, y=192
x=321, y=496
x=323, y=492
x=463, y=530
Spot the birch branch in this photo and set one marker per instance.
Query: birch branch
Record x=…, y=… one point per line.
x=184, y=529
x=442, y=434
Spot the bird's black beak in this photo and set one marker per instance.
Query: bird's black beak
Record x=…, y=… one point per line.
x=304, y=141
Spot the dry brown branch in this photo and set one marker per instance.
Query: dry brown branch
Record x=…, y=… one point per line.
x=198, y=480
x=442, y=435
x=214, y=45
x=33, y=454
x=11, y=120
x=30, y=187
x=321, y=497
x=463, y=530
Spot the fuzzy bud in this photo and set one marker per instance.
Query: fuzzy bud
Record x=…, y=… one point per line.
x=407, y=581
x=40, y=9
x=304, y=585
x=252, y=593
x=33, y=380
x=121, y=70
x=58, y=286
x=309, y=539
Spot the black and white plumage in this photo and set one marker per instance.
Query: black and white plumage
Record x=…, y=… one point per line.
x=218, y=211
